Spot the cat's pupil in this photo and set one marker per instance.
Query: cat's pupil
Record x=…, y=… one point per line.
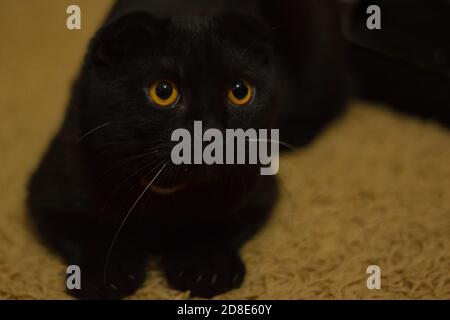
x=164, y=90
x=240, y=90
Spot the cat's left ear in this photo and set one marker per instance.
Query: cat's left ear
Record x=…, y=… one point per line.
x=124, y=37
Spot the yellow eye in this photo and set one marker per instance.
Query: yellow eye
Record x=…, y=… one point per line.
x=240, y=93
x=164, y=93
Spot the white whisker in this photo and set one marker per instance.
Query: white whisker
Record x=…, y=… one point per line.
x=125, y=219
x=93, y=130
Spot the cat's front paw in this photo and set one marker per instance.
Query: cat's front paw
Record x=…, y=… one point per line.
x=122, y=280
x=206, y=272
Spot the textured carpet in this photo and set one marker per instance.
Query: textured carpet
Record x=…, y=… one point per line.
x=373, y=189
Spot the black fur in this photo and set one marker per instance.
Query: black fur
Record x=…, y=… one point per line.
x=88, y=181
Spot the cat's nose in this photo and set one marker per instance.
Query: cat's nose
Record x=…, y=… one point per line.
x=207, y=122
x=210, y=114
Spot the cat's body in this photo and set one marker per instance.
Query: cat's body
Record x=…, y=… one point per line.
x=90, y=197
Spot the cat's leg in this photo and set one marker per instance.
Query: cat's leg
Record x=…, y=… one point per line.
x=86, y=243
x=209, y=263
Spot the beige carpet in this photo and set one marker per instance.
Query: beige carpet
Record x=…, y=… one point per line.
x=374, y=189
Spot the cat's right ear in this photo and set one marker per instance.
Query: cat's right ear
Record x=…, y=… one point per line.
x=124, y=37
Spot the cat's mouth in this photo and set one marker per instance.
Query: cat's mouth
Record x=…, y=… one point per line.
x=162, y=190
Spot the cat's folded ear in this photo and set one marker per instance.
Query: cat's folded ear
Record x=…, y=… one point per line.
x=124, y=37
x=244, y=32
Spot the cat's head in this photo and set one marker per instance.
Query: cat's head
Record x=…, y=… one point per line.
x=147, y=77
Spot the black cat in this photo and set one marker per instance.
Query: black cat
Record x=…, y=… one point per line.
x=106, y=194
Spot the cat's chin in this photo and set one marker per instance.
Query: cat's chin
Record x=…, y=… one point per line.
x=166, y=190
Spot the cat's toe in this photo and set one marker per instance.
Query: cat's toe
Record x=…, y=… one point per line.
x=206, y=273
x=123, y=284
